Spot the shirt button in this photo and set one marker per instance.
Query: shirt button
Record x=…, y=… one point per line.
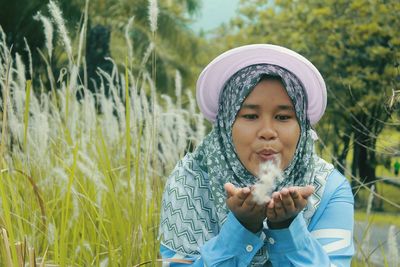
x=249, y=248
x=271, y=240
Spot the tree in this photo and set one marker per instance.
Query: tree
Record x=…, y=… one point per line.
x=176, y=46
x=355, y=45
x=17, y=21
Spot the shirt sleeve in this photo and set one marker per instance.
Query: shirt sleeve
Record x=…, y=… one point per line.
x=328, y=239
x=233, y=246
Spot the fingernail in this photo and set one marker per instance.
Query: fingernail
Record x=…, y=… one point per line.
x=246, y=190
x=284, y=191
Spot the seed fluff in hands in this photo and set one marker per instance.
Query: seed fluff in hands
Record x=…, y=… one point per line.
x=269, y=176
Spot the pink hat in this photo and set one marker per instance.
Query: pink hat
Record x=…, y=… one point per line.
x=213, y=77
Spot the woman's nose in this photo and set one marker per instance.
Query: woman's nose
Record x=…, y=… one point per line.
x=267, y=131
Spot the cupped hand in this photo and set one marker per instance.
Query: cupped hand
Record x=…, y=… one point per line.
x=286, y=204
x=246, y=210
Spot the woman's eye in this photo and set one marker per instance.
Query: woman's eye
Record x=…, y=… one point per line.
x=283, y=117
x=250, y=116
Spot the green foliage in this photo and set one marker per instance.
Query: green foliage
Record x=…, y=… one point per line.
x=381, y=219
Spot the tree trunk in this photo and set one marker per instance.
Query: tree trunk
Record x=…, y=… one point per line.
x=341, y=166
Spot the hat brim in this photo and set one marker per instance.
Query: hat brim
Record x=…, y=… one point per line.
x=214, y=76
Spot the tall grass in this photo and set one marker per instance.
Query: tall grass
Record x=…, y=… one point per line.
x=82, y=173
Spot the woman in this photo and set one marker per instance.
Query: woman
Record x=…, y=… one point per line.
x=262, y=100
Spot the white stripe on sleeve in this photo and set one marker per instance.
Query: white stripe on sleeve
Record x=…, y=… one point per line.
x=343, y=236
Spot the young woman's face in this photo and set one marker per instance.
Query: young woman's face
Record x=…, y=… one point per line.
x=266, y=127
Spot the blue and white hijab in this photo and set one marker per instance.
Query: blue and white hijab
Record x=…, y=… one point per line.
x=193, y=206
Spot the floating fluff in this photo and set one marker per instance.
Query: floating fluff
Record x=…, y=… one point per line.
x=269, y=176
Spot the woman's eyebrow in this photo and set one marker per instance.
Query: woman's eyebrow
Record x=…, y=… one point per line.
x=255, y=106
x=250, y=106
x=286, y=107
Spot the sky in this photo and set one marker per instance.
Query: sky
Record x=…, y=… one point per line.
x=214, y=12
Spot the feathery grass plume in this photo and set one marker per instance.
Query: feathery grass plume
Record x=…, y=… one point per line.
x=269, y=176
x=26, y=113
x=147, y=54
x=93, y=175
x=48, y=32
x=56, y=178
x=167, y=117
x=200, y=128
x=104, y=262
x=134, y=105
x=117, y=103
x=393, y=253
x=20, y=71
x=89, y=112
x=15, y=126
x=181, y=129
x=153, y=15
x=109, y=122
x=7, y=77
x=73, y=81
x=40, y=135
x=28, y=50
x=370, y=200
x=62, y=30
x=144, y=102
x=82, y=35
x=198, y=132
x=192, y=102
x=367, y=237
x=148, y=134
x=75, y=207
x=395, y=98
x=51, y=233
x=127, y=39
x=83, y=246
x=178, y=89
x=18, y=93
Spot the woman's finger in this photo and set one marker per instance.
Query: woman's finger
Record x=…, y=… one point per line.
x=271, y=214
x=249, y=203
x=243, y=193
x=279, y=210
x=304, y=191
x=230, y=189
x=287, y=201
x=298, y=200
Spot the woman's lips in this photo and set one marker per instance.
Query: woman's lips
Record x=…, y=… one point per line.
x=267, y=155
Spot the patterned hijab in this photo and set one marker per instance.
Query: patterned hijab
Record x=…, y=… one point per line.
x=215, y=162
x=223, y=164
